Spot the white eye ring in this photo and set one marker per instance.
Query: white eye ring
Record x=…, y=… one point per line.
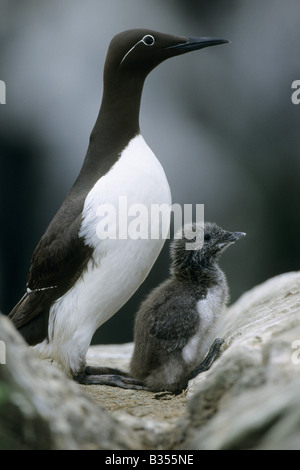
x=148, y=40
x=144, y=41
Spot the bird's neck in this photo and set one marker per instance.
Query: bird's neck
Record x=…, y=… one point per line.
x=207, y=274
x=117, y=123
x=118, y=117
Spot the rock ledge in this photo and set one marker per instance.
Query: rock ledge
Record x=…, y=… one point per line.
x=249, y=399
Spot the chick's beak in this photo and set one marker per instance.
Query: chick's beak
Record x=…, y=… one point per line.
x=234, y=236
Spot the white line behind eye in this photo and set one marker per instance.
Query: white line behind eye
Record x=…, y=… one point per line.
x=141, y=40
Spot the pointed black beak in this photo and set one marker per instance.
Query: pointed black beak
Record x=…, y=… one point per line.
x=192, y=44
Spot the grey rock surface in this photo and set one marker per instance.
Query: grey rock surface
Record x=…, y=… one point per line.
x=40, y=408
x=249, y=399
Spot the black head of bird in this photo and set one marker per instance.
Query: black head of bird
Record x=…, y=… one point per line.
x=134, y=53
x=143, y=49
x=208, y=245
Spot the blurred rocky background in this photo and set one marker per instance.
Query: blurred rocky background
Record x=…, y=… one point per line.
x=220, y=120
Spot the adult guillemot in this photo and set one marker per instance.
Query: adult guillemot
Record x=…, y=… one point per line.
x=77, y=280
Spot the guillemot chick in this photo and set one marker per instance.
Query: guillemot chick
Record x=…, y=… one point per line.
x=177, y=322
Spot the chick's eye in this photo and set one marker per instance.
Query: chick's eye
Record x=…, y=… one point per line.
x=207, y=237
x=148, y=40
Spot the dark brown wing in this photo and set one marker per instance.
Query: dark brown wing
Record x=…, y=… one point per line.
x=59, y=259
x=57, y=262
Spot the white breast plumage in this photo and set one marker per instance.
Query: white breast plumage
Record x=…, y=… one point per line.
x=118, y=266
x=209, y=310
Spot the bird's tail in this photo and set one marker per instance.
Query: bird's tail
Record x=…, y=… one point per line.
x=16, y=313
x=30, y=315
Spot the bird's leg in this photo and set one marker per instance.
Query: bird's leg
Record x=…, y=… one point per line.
x=94, y=370
x=209, y=358
x=109, y=376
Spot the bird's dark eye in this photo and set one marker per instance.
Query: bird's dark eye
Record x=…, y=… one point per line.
x=207, y=237
x=148, y=40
